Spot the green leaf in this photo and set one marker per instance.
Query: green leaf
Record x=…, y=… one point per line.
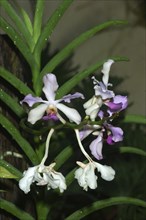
x=49, y=27
x=19, y=42
x=75, y=80
x=133, y=150
x=23, y=143
x=81, y=213
x=21, y=27
x=14, y=210
x=11, y=103
x=4, y=173
x=63, y=156
x=10, y=169
x=64, y=53
x=139, y=119
x=27, y=21
x=38, y=19
x=15, y=82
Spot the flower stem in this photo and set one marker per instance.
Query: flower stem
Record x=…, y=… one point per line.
x=81, y=146
x=47, y=147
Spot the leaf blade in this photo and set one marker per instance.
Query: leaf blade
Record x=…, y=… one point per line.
x=23, y=143
x=79, y=214
x=15, y=82
x=14, y=210
x=11, y=103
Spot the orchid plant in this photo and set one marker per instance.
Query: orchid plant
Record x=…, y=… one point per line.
x=55, y=111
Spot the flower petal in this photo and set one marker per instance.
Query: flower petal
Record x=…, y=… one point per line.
x=105, y=94
x=50, y=86
x=27, y=179
x=56, y=180
x=30, y=100
x=71, y=113
x=105, y=70
x=121, y=99
x=96, y=147
x=68, y=97
x=117, y=133
x=37, y=113
x=107, y=172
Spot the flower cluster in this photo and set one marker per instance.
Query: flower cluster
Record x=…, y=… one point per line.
x=103, y=106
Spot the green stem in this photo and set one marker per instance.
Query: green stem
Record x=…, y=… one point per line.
x=81, y=213
x=42, y=210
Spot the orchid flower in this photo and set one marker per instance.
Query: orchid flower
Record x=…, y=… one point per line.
x=85, y=174
x=42, y=175
x=51, y=106
x=86, y=177
x=93, y=105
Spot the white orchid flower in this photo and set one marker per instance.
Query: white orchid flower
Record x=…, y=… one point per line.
x=42, y=175
x=86, y=177
x=51, y=106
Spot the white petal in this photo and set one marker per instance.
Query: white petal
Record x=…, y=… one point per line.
x=50, y=86
x=107, y=172
x=28, y=179
x=91, y=177
x=71, y=113
x=37, y=113
x=90, y=102
x=105, y=71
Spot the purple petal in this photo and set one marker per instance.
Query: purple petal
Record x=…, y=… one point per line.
x=103, y=92
x=109, y=140
x=101, y=114
x=87, y=130
x=30, y=100
x=113, y=107
x=68, y=97
x=96, y=147
x=121, y=99
x=50, y=86
x=117, y=133
x=50, y=116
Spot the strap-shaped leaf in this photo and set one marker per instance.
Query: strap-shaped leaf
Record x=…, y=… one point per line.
x=64, y=155
x=14, y=210
x=11, y=103
x=64, y=53
x=38, y=19
x=21, y=27
x=75, y=80
x=49, y=27
x=133, y=150
x=11, y=168
x=27, y=21
x=15, y=82
x=19, y=42
x=81, y=213
x=139, y=119
x=23, y=143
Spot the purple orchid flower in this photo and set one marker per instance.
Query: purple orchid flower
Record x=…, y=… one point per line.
x=51, y=106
